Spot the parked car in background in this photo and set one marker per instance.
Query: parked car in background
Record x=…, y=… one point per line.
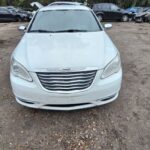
x=109, y=11
x=65, y=65
x=143, y=16
x=135, y=10
x=147, y=17
x=8, y=15
x=24, y=15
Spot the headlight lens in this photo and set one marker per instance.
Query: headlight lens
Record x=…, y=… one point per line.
x=113, y=67
x=19, y=71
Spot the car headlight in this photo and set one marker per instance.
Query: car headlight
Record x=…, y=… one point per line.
x=19, y=71
x=113, y=67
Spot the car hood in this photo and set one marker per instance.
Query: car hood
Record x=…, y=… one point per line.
x=44, y=52
x=125, y=11
x=141, y=14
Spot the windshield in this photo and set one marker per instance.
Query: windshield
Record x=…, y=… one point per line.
x=146, y=10
x=65, y=21
x=139, y=10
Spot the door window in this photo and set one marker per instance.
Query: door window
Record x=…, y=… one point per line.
x=3, y=11
x=114, y=8
x=105, y=7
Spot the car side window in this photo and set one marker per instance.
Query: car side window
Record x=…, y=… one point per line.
x=105, y=7
x=3, y=11
x=95, y=7
x=114, y=8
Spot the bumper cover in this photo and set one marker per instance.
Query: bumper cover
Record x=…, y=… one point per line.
x=32, y=94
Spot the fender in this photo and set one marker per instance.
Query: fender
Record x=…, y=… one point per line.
x=129, y=15
x=99, y=13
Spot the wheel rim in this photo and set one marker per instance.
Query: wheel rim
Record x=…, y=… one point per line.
x=140, y=20
x=19, y=20
x=125, y=18
x=100, y=18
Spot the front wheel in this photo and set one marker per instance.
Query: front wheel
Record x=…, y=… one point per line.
x=139, y=20
x=100, y=18
x=125, y=18
x=148, y=19
x=18, y=19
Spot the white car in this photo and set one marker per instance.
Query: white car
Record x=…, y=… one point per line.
x=65, y=61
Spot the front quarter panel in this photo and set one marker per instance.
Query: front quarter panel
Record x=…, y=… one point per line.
x=110, y=49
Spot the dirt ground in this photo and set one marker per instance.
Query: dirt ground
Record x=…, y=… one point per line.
x=121, y=125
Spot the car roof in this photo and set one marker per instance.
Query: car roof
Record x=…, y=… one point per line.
x=104, y=4
x=64, y=7
x=10, y=6
x=65, y=3
x=3, y=7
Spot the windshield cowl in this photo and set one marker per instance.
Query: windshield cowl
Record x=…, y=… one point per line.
x=60, y=31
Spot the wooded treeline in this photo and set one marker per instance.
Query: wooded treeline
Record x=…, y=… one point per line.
x=121, y=3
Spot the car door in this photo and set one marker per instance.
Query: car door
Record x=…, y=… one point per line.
x=5, y=15
x=9, y=15
x=0, y=15
x=106, y=11
x=115, y=12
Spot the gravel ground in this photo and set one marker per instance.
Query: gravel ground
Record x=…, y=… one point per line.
x=121, y=125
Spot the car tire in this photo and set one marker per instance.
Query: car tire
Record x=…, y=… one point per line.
x=148, y=19
x=19, y=19
x=125, y=18
x=100, y=17
x=139, y=20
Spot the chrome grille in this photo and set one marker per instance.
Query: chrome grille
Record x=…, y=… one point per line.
x=66, y=81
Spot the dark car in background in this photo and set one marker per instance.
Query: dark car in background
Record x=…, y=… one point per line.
x=7, y=15
x=24, y=15
x=110, y=11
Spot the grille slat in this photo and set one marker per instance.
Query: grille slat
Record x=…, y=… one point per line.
x=65, y=73
x=65, y=89
x=65, y=77
x=66, y=85
x=66, y=81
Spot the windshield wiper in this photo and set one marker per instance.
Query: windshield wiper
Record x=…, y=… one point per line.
x=46, y=31
x=41, y=31
x=71, y=30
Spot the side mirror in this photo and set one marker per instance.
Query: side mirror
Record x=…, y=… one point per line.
x=108, y=26
x=22, y=28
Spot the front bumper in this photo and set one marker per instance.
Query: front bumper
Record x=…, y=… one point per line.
x=32, y=94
